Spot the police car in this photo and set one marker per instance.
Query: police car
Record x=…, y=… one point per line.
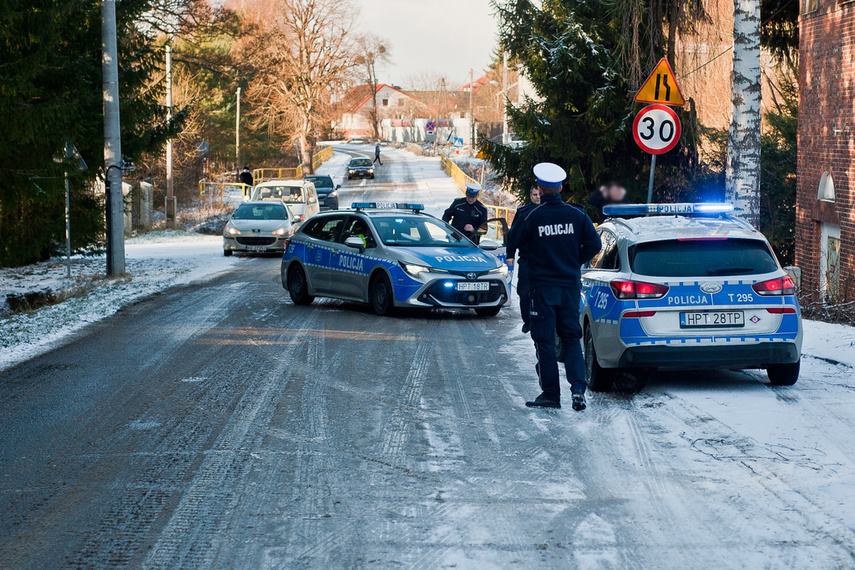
x=687, y=286
x=393, y=255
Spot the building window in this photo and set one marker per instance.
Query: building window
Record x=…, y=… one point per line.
x=400, y=102
x=811, y=6
x=826, y=188
x=385, y=102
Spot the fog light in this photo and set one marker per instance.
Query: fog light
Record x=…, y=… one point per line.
x=448, y=284
x=471, y=298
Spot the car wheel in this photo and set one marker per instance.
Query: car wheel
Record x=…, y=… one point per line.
x=298, y=287
x=488, y=311
x=382, y=296
x=598, y=379
x=227, y=252
x=784, y=374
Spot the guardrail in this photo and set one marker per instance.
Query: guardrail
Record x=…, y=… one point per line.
x=262, y=174
x=214, y=191
x=461, y=178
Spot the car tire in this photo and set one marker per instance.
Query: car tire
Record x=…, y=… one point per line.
x=488, y=311
x=382, y=296
x=599, y=379
x=298, y=287
x=784, y=374
x=227, y=252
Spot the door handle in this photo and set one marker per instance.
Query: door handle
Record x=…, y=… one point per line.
x=336, y=252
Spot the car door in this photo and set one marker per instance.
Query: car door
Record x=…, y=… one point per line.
x=312, y=205
x=350, y=267
x=604, y=308
x=321, y=239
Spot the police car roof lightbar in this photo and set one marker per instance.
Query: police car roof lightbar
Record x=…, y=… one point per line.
x=387, y=206
x=681, y=209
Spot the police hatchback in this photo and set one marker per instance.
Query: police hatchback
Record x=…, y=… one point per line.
x=687, y=286
x=392, y=255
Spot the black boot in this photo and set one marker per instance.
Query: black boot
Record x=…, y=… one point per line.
x=579, y=402
x=526, y=328
x=543, y=401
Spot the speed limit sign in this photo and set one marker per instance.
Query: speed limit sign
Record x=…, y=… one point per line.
x=656, y=129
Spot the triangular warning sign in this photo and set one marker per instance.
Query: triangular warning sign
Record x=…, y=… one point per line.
x=661, y=87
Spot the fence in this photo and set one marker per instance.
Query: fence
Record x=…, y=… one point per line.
x=461, y=178
x=262, y=174
x=214, y=191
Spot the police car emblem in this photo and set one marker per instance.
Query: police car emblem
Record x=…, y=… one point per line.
x=711, y=288
x=471, y=276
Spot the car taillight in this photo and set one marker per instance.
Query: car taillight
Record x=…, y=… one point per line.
x=287, y=242
x=779, y=286
x=638, y=290
x=638, y=314
x=782, y=311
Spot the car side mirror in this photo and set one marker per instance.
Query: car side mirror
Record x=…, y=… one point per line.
x=355, y=243
x=295, y=221
x=489, y=245
x=337, y=186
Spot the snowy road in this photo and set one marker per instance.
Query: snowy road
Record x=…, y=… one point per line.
x=218, y=425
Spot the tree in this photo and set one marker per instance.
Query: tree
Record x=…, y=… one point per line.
x=742, y=186
x=372, y=51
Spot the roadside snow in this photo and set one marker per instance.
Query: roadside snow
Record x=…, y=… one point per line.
x=833, y=343
x=154, y=261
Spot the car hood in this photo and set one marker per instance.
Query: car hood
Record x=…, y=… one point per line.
x=263, y=225
x=448, y=258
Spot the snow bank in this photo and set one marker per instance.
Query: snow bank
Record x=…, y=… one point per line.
x=827, y=341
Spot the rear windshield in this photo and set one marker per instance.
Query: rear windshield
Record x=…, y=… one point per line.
x=702, y=258
x=260, y=212
x=360, y=162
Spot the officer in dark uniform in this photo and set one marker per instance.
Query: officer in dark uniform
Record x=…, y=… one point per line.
x=523, y=289
x=558, y=238
x=246, y=176
x=467, y=214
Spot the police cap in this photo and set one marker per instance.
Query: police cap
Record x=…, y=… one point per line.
x=549, y=175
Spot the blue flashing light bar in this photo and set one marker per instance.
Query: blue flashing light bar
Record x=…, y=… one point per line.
x=387, y=206
x=681, y=209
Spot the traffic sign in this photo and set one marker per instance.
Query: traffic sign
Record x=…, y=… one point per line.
x=661, y=87
x=656, y=129
x=458, y=142
x=430, y=126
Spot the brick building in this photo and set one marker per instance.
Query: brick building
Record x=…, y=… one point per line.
x=825, y=220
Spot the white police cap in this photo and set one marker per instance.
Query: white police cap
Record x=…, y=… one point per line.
x=549, y=175
x=472, y=189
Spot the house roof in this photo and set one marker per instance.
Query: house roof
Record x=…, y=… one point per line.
x=360, y=95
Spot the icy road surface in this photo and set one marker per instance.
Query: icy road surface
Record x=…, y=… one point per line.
x=218, y=425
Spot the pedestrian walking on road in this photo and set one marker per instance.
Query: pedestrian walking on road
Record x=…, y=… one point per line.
x=523, y=289
x=557, y=238
x=377, y=153
x=467, y=214
x=246, y=176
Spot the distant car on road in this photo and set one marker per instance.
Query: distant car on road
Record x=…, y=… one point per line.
x=393, y=255
x=257, y=227
x=299, y=196
x=688, y=287
x=360, y=168
x=327, y=190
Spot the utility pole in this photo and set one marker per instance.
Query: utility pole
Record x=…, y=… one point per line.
x=67, y=224
x=505, y=137
x=471, y=112
x=170, y=187
x=112, y=141
x=438, y=102
x=237, y=134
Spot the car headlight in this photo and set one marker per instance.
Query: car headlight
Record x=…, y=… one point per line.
x=232, y=230
x=414, y=270
x=501, y=270
x=333, y=194
x=350, y=171
x=280, y=232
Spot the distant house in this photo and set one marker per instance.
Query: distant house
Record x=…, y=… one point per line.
x=355, y=110
x=825, y=216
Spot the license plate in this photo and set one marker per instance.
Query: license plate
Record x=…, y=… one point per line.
x=712, y=319
x=256, y=247
x=472, y=286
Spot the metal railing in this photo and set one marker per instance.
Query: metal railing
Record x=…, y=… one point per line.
x=262, y=174
x=461, y=178
x=323, y=156
x=215, y=191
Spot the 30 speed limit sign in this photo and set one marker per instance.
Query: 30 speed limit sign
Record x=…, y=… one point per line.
x=656, y=129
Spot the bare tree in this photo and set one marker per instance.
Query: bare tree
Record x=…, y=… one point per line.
x=372, y=51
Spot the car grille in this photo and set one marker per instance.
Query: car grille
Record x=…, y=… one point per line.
x=443, y=294
x=251, y=240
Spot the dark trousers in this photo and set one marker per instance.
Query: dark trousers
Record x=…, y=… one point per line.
x=377, y=159
x=523, y=291
x=556, y=310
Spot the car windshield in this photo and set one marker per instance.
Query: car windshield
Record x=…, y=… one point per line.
x=321, y=181
x=360, y=162
x=418, y=231
x=712, y=257
x=260, y=212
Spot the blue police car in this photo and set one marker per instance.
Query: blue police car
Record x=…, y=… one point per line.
x=392, y=255
x=687, y=286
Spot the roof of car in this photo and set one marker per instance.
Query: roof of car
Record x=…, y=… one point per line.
x=283, y=182
x=654, y=228
x=260, y=202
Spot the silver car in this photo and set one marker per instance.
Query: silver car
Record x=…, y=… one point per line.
x=257, y=227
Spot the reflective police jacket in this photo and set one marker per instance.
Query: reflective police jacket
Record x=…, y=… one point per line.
x=461, y=213
x=558, y=238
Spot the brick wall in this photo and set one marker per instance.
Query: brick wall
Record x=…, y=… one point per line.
x=826, y=137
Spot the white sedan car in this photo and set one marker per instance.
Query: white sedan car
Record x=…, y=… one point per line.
x=257, y=227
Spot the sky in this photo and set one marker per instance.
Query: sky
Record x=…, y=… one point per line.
x=437, y=37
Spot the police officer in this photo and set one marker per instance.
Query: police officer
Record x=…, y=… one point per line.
x=557, y=239
x=246, y=176
x=467, y=214
x=522, y=272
